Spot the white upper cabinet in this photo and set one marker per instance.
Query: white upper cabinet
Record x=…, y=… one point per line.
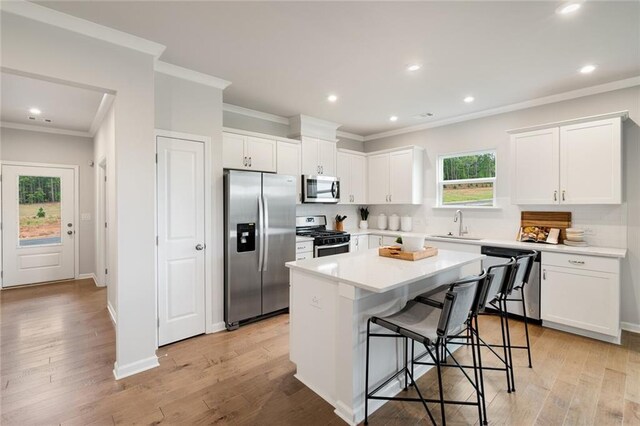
x=573, y=163
x=351, y=169
x=318, y=157
x=591, y=162
x=378, y=178
x=289, y=163
x=396, y=177
x=248, y=152
x=536, y=154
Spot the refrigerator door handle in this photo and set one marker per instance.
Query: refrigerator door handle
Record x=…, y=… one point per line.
x=260, y=232
x=265, y=233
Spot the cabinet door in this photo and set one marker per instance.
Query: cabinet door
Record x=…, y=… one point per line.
x=378, y=180
x=327, y=157
x=586, y=300
x=310, y=164
x=359, y=179
x=261, y=153
x=344, y=173
x=591, y=163
x=536, y=167
x=375, y=241
x=389, y=241
x=233, y=156
x=288, y=163
x=401, y=177
x=363, y=242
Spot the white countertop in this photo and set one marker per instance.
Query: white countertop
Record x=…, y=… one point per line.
x=559, y=248
x=369, y=271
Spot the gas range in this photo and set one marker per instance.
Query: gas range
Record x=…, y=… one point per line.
x=325, y=242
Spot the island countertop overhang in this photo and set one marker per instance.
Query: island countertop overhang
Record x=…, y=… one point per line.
x=369, y=271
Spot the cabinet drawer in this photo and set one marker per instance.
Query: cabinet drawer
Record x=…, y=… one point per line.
x=303, y=246
x=590, y=263
x=305, y=255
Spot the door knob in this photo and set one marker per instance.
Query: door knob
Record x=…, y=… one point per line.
x=199, y=247
x=69, y=232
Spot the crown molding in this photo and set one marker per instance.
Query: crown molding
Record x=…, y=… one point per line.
x=191, y=75
x=623, y=115
x=255, y=114
x=314, y=121
x=573, y=94
x=53, y=130
x=103, y=108
x=82, y=26
x=348, y=135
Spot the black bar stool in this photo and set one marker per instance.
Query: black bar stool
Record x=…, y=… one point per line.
x=499, y=279
x=432, y=327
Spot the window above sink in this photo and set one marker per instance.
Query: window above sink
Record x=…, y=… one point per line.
x=467, y=179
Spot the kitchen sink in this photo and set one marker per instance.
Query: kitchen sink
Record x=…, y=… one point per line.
x=455, y=237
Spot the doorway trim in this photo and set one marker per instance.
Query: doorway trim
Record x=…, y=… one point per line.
x=76, y=209
x=211, y=251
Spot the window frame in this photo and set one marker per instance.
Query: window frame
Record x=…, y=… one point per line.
x=440, y=182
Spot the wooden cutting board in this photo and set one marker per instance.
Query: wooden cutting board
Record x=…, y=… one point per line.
x=397, y=253
x=561, y=220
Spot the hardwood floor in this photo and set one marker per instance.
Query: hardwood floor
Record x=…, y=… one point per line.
x=58, y=348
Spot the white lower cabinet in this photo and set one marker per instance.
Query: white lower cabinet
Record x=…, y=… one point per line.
x=358, y=243
x=581, y=293
x=376, y=241
x=304, y=250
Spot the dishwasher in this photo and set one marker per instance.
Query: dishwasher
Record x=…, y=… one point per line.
x=499, y=255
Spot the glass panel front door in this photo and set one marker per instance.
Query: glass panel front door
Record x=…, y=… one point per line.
x=39, y=202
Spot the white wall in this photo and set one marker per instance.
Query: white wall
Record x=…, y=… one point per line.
x=39, y=147
x=613, y=226
x=70, y=57
x=104, y=152
x=184, y=106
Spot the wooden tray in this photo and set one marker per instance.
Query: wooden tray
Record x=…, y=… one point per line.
x=561, y=220
x=397, y=253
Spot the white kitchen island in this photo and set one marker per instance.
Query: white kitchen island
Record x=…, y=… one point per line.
x=331, y=300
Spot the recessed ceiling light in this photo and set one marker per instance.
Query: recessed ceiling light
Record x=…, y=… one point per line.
x=568, y=8
x=414, y=67
x=35, y=111
x=393, y=118
x=587, y=69
x=469, y=99
x=332, y=98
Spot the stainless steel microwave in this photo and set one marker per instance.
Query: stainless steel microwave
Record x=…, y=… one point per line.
x=320, y=189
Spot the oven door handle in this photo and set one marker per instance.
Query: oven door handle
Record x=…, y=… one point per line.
x=318, y=248
x=334, y=192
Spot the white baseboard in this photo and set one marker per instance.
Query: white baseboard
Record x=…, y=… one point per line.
x=91, y=276
x=112, y=313
x=629, y=326
x=216, y=327
x=134, y=367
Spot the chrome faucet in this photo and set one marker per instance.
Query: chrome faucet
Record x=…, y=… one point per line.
x=461, y=229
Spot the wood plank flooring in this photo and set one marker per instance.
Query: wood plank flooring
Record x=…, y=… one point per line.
x=58, y=348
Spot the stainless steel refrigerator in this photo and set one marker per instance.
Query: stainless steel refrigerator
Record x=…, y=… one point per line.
x=260, y=236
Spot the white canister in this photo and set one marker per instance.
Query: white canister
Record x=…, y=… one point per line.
x=406, y=224
x=394, y=222
x=382, y=221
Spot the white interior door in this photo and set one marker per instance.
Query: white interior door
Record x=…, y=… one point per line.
x=38, y=210
x=181, y=251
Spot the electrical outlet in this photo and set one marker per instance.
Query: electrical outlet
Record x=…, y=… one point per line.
x=316, y=302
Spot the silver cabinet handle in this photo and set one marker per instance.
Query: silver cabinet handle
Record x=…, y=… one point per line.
x=544, y=274
x=555, y=195
x=389, y=197
x=199, y=247
x=244, y=161
x=321, y=170
x=318, y=169
x=563, y=197
x=249, y=161
x=576, y=262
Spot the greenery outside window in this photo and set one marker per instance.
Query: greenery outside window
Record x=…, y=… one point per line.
x=467, y=179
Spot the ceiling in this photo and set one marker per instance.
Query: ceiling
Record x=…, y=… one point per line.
x=68, y=108
x=285, y=58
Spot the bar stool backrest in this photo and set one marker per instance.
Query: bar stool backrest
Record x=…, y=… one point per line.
x=502, y=278
x=458, y=305
x=525, y=265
